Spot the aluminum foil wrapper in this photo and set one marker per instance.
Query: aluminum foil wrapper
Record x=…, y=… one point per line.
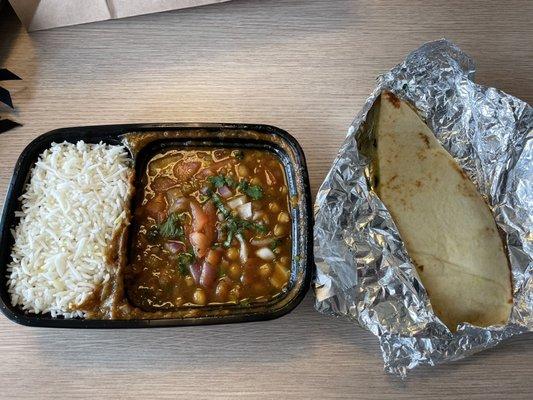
x=489, y=133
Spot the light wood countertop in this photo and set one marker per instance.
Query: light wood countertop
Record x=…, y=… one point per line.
x=304, y=66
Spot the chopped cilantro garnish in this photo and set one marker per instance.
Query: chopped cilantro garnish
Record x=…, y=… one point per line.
x=275, y=244
x=229, y=239
x=184, y=262
x=254, y=191
x=230, y=181
x=220, y=205
x=217, y=181
x=257, y=226
x=235, y=226
x=220, y=180
x=260, y=227
x=171, y=228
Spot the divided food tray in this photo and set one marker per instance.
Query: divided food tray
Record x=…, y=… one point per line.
x=172, y=135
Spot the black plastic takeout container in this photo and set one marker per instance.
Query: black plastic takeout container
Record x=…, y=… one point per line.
x=174, y=135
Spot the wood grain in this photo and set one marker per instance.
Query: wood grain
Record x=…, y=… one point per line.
x=305, y=66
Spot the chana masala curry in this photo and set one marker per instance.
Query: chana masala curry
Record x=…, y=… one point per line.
x=210, y=226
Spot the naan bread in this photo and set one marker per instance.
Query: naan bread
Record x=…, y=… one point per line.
x=446, y=225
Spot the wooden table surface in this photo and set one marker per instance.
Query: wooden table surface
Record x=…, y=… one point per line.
x=305, y=66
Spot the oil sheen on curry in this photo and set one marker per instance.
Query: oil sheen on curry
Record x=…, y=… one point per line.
x=212, y=226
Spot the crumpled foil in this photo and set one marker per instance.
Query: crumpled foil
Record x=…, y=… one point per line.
x=363, y=270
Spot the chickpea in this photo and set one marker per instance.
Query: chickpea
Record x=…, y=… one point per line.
x=279, y=230
x=235, y=293
x=256, y=181
x=283, y=190
x=283, y=217
x=243, y=170
x=274, y=207
x=234, y=271
x=265, y=270
x=232, y=254
x=222, y=290
x=189, y=281
x=199, y=297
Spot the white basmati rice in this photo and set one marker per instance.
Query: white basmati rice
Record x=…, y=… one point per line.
x=74, y=201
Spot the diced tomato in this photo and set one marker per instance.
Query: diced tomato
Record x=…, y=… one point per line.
x=185, y=170
x=199, y=217
x=215, y=167
x=157, y=207
x=200, y=244
x=210, y=226
x=163, y=183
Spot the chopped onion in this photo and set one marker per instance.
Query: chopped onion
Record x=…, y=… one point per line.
x=262, y=242
x=174, y=246
x=265, y=253
x=245, y=211
x=208, y=275
x=237, y=201
x=196, y=271
x=225, y=192
x=244, y=249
